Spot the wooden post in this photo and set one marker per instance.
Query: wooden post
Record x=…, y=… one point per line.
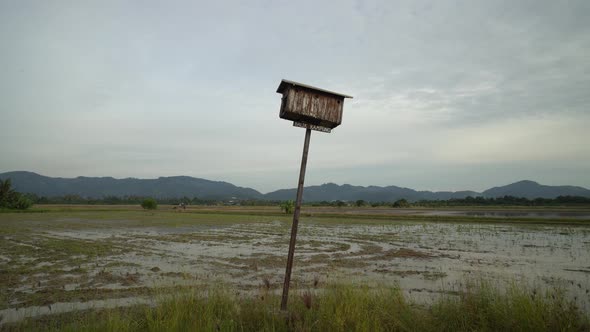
x=285, y=296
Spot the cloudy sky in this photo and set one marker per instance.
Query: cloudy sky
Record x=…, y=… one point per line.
x=448, y=95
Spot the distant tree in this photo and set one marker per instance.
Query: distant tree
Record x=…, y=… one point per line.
x=149, y=204
x=287, y=206
x=401, y=203
x=360, y=203
x=73, y=199
x=34, y=198
x=112, y=200
x=21, y=203
x=6, y=192
x=11, y=199
x=340, y=203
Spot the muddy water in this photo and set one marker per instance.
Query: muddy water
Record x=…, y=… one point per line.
x=425, y=259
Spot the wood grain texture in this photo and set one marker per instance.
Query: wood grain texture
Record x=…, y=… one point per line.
x=313, y=107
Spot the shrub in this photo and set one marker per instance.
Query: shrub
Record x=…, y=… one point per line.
x=401, y=203
x=287, y=206
x=149, y=204
x=20, y=203
x=10, y=199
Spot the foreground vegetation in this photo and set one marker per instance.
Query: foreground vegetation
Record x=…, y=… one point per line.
x=481, y=307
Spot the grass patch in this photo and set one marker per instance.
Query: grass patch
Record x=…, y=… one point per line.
x=481, y=307
x=406, y=253
x=65, y=248
x=220, y=215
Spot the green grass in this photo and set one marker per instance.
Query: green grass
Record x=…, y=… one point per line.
x=23, y=223
x=481, y=307
x=220, y=215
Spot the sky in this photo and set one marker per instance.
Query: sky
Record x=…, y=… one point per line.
x=448, y=95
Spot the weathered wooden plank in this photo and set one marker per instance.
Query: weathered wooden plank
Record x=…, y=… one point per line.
x=311, y=106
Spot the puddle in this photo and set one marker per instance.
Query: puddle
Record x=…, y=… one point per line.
x=15, y=315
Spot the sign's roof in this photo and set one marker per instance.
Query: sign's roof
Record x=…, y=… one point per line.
x=285, y=83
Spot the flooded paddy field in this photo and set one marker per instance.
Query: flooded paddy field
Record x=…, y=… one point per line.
x=61, y=261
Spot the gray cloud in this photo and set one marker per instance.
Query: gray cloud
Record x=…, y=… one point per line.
x=448, y=95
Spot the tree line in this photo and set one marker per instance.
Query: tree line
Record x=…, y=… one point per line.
x=115, y=200
x=506, y=201
x=467, y=201
x=10, y=199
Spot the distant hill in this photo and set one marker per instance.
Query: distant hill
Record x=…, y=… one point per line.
x=179, y=186
x=346, y=192
x=531, y=190
x=98, y=187
x=331, y=192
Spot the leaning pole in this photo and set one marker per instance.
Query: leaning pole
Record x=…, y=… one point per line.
x=313, y=109
x=295, y=224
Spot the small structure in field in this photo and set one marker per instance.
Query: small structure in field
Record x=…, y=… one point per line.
x=313, y=109
x=308, y=106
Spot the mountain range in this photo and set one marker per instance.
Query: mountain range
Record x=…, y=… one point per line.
x=179, y=186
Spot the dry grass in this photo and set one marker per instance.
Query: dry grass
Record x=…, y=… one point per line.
x=406, y=253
